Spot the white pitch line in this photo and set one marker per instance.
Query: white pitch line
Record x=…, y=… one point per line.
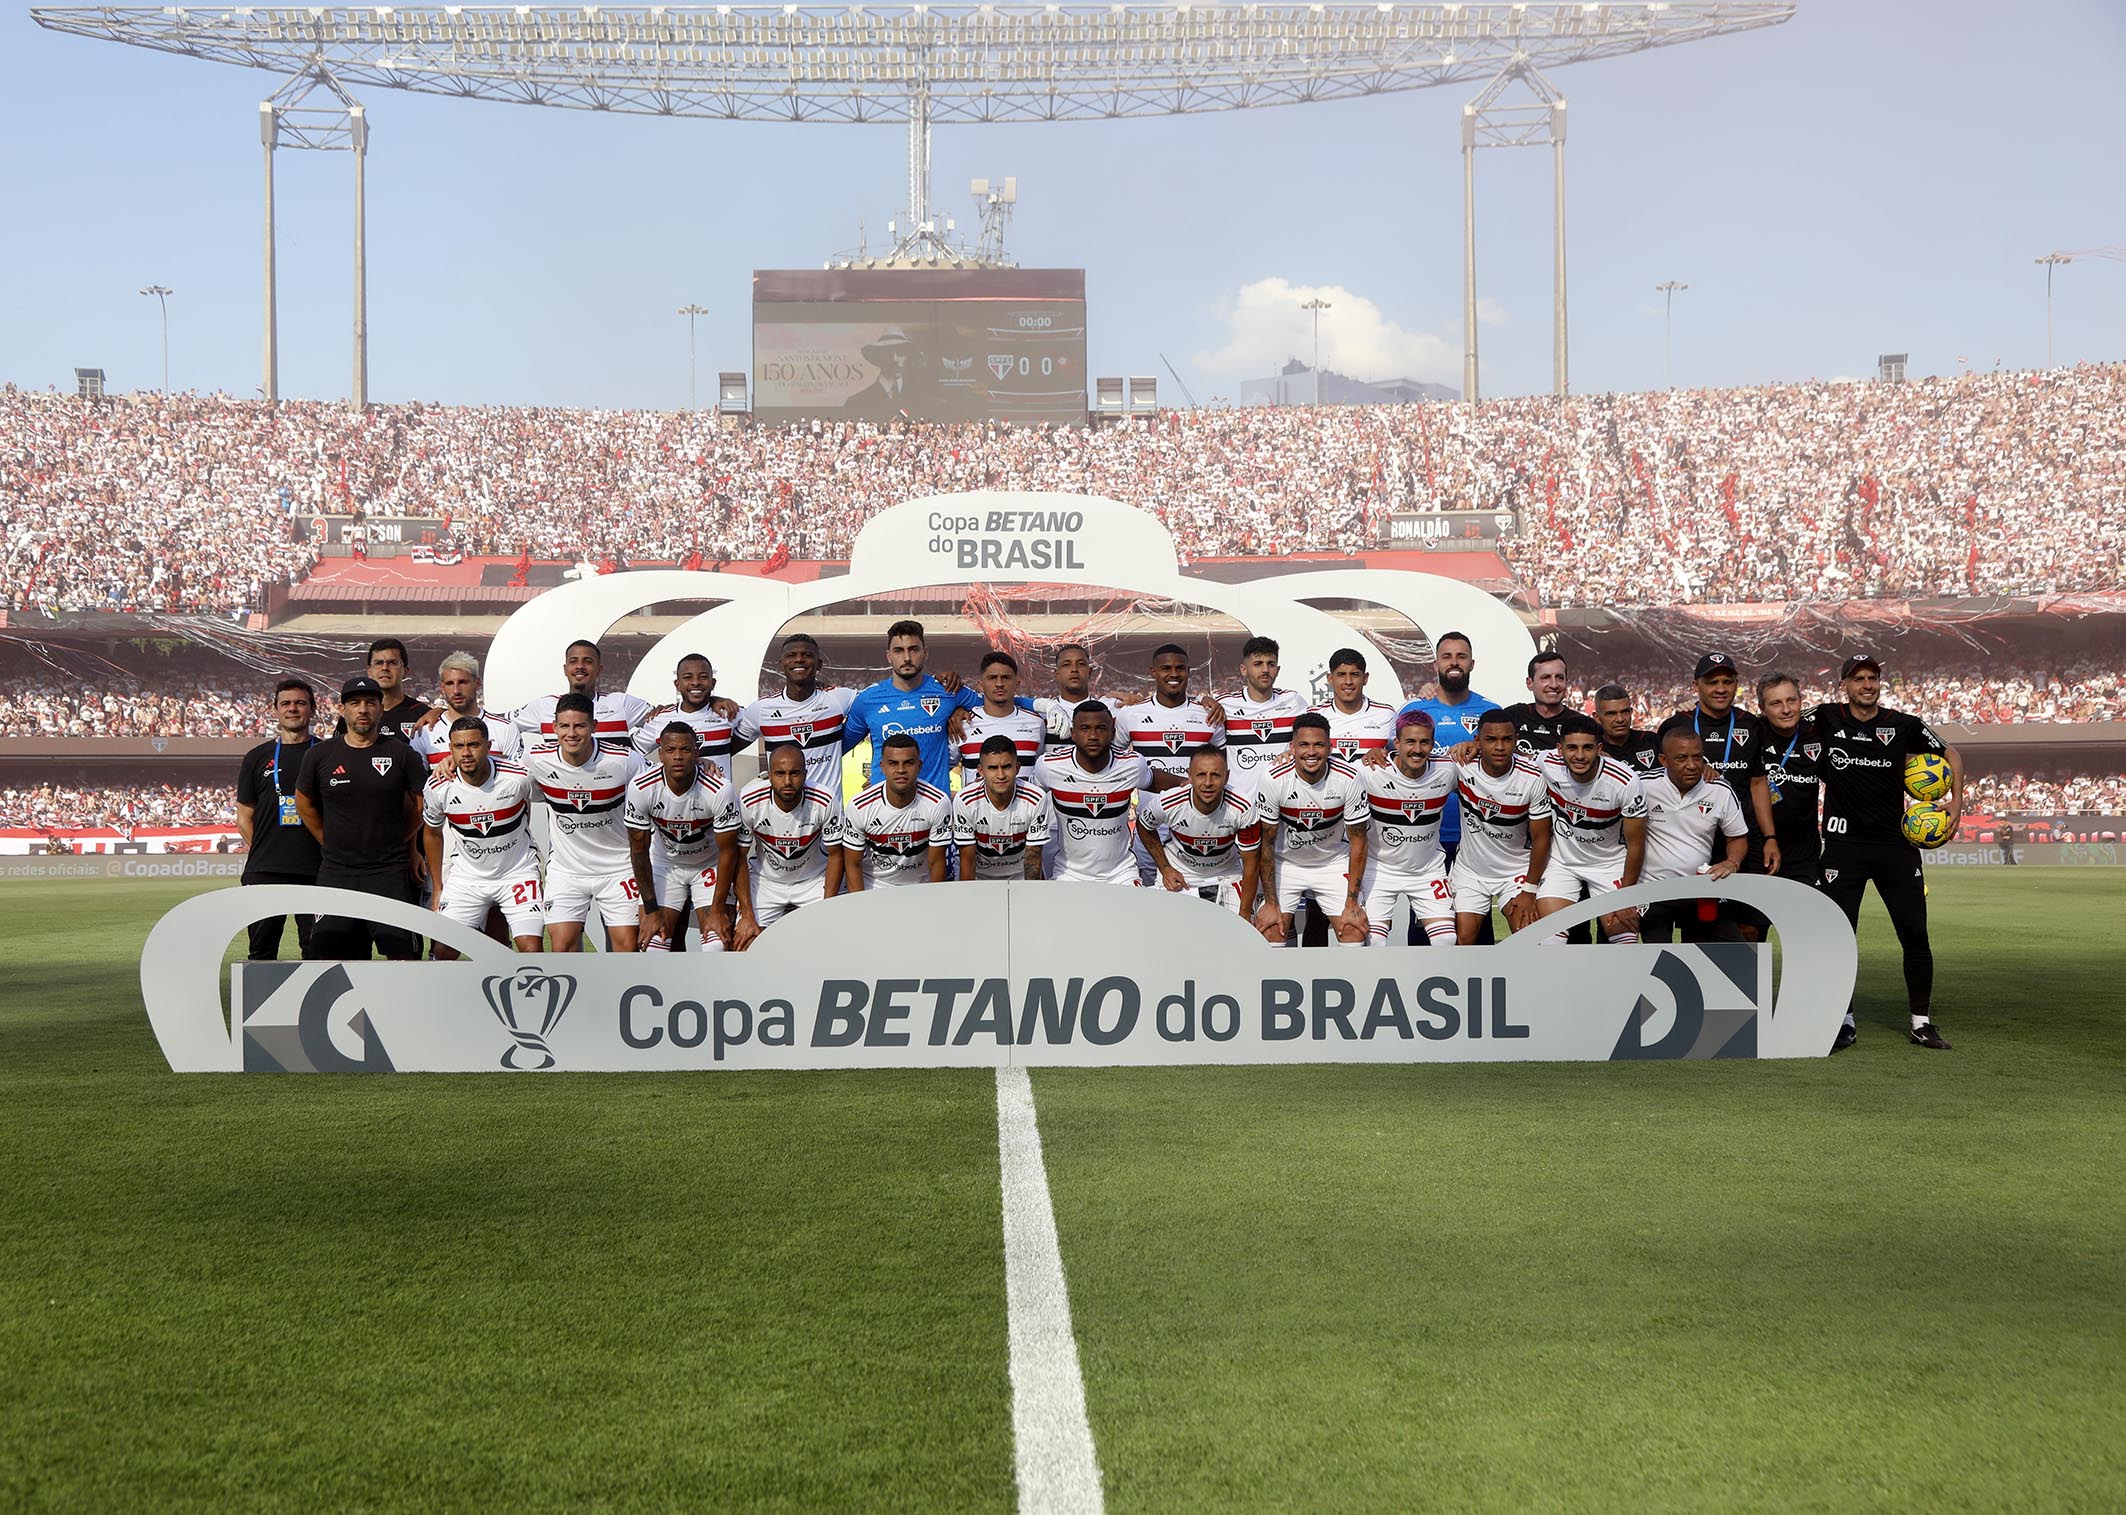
x=1053, y=1442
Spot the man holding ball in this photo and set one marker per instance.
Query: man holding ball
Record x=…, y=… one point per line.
x=1865, y=748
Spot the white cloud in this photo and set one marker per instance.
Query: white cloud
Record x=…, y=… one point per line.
x=1265, y=326
x=1489, y=312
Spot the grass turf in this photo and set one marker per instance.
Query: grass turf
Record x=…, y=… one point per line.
x=1892, y=1279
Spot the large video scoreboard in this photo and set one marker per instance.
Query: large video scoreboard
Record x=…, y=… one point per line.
x=949, y=344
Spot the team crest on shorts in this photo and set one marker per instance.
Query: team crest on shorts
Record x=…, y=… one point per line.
x=1830, y=875
x=381, y=764
x=931, y=704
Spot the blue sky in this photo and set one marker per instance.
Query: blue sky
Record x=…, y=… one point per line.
x=1870, y=177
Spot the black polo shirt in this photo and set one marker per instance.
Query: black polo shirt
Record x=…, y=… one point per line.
x=1792, y=769
x=1536, y=732
x=1639, y=751
x=280, y=842
x=361, y=794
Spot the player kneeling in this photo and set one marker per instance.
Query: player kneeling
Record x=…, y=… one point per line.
x=1312, y=809
x=476, y=816
x=1002, y=824
x=1597, y=827
x=795, y=851
x=1505, y=831
x=1405, y=799
x=1205, y=839
x=682, y=834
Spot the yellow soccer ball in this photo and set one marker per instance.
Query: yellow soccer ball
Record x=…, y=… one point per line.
x=1926, y=777
x=1926, y=826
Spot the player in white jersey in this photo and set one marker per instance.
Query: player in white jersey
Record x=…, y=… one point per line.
x=700, y=707
x=1359, y=727
x=1505, y=831
x=584, y=788
x=1405, y=799
x=1000, y=822
x=458, y=682
x=999, y=714
x=1093, y=788
x=794, y=842
x=900, y=829
x=1167, y=728
x=1258, y=720
x=615, y=715
x=1313, y=813
x=1074, y=687
x=476, y=815
x=683, y=836
x=1597, y=826
x=1204, y=839
x=803, y=713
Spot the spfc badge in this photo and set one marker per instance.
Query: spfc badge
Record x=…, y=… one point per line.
x=931, y=704
x=381, y=764
x=1263, y=729
x=801, y=732
x=1885, y=734
x=1830, y=875
x=1174, y=739
x=1811, y=749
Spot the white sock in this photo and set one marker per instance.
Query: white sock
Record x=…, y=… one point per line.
x=1850, y=1021
x=710, y=942
x=1624, y=938
x=1440, y=933
x=1920, y=1020
x=658, y=943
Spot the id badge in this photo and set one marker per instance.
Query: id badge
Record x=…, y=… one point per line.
x=289, y=815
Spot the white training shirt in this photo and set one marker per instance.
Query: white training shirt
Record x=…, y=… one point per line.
x=1028, y=733
x=1206, y=846
x=1405, y=813
x=1093, y=811
x=998, y=834
x=1587, y=820
x=589, y=809
x=1354, y=735
x=617, y=714
x=432, y=743
x=683, y=824
x=790, y=846
x=1258, y=736
x=1496, y=811
x=814, y=723
x=896, y=842
x=1306, y=820
x=486, y=826
x=1680, y=827
x=1166, y=736
x=713, y=729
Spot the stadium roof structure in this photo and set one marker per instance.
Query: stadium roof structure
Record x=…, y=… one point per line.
x=930, y=64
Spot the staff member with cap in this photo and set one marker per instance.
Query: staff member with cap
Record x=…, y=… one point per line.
x=278, y=847
x=1735, y=749
x=359, y=796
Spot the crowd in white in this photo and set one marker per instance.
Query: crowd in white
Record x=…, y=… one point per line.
x=1982, y=483
x=2051, y=792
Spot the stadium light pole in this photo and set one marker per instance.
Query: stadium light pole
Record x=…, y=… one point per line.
x=2051, y=262
x=1667, y=291
x=1317, y=305
x=690, y=311
x=162, y=293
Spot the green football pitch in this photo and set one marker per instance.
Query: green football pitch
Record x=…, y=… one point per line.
x=1890, y=1279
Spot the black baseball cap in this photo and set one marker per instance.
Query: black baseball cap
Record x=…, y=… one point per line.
x=360, y=685
x=1855, y=663
x=1715, y=662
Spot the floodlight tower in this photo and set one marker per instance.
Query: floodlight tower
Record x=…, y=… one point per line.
x=334, y=122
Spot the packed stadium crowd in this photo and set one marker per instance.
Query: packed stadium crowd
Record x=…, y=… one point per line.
x=1979, y=484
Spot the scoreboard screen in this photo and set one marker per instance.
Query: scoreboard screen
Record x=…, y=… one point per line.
x=951, y=344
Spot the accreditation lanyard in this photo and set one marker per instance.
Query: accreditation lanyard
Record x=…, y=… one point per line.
x=1784, y=758
x=1727, y=747
x=289, y=815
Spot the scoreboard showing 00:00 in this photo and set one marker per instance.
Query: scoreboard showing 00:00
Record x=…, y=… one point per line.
x=959, y=344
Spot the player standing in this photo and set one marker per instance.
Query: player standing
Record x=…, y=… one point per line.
x=1597, y=826
x=804, y=713
x=795, y=846
x=1635, y=748
x=1688, y=811
x=683, y=846
x=1406, y=797
x=694, y=680
x=388, y=665
x=476, y=816
x=1000, y=714
x=1093, y=788
x=1313, y=813
x=1537, y=719
x=1165, y=729
x=1074, y=686
x=1865, y=745
x=1001, y=823
x=615, y=715
x=1204, y=839
x=1258, y=720
x=458, y=682
x=585, y=787
x=1505, y=831
x=1358, y=727
x=907, y=702
x=897, y=831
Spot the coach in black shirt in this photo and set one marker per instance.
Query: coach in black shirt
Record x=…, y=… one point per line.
x=278, y=847
x=1538, y=721
x=359, y=795
x=1636, y=749
x=1734, y=748
x=1792, y=774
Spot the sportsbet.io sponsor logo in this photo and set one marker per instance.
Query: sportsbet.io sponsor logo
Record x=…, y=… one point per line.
x=1008, y=538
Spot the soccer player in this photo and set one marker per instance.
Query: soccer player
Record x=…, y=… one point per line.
x=1536, y=719
x=1258, y=720
x=1455, y=710
x=1635, y=748
x=1313, y=813
x=1093, y=788
x=795, y=841
x=1687, y=807
x=278, y=847
x=907, y=702
x=1204, y=839
x=1165, y=729
x=359, y=795
x=388, y=665
x=711, y=717
x=616, y=714
x=804, y=713
x=1597, y=826
x=1074, y=686
x=999, y=715
x=476, y=831
x=1358, y=727
x=1505, y=831
x=585, y=786
x=1793, y=777
x=1865, y=745
x=1001, y=822
x=683, y=835
x=458, y=681
x=897, y=831
x=1405, y=799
